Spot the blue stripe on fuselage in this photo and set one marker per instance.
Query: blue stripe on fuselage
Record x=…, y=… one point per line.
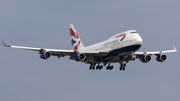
x=123, y=49
x=123, y=38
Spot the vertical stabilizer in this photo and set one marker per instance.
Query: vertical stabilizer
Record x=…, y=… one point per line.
x=75, y=39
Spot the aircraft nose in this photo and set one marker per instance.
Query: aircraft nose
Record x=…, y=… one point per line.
x=139, y=40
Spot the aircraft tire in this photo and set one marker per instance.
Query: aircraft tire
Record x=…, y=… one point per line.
x=120, y=68
x=101, y=67
x=108, y=67
x=90, y=67
x=124, y=65
x=111, y=67
x=123, y=68
x=98, y=67
x=93, y=67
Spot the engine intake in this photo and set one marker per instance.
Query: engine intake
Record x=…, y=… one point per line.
x=80, y=57
x=145, y=58
x=45, y=55
x=161, y=58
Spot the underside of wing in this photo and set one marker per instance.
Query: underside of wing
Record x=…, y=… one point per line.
x=145, y=57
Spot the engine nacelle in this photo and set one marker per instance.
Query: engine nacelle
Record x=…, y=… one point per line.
x=161, y=58
x=145, y=58
x=45, y=55
x=80, y=57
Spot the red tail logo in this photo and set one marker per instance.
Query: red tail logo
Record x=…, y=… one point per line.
x=76, y=47
x=72, y=33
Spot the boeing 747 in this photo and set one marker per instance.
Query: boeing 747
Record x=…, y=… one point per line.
x=120, y=48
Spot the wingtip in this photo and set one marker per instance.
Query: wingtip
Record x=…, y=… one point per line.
x=174, y=48
x=5, y=44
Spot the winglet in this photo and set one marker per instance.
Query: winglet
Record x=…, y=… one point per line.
x=6, y=45
x=174, y=48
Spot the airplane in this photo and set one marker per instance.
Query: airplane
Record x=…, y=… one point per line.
x=120, y=48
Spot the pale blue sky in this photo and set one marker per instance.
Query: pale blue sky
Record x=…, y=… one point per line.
x=44, y=23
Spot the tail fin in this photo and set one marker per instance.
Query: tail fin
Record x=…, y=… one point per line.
x=75, y=40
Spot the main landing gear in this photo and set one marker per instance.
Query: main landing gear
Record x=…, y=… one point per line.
x=109, y=67
x=123, y=65
x=92, y=66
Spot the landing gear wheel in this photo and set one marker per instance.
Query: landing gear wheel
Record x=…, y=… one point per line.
x=111, y=67
x=124, y=65
x=124, y=69
x=100, y=67
x=107, y=68
x=120, y=68
x=90, y=67
x=93, y=67
x=97, y=67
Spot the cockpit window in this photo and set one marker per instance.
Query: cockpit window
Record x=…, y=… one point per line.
x=133, y=32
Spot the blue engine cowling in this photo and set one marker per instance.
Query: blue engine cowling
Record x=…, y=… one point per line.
x=145, y=58
x=80, y=57
x=45, y=55
x=161, y=58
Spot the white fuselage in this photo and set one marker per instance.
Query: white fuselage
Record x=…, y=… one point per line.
x=131, y=38
x=121, y=48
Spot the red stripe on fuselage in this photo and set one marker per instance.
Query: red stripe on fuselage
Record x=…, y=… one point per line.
x=124, y=34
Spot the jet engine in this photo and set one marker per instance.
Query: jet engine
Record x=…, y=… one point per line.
x=45, y=55
x=161, y=58
x=80, y=57
x=145, y=58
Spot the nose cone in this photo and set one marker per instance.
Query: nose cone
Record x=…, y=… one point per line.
x=139, y=40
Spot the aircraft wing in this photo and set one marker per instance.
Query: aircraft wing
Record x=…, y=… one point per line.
x=156, y=52
x=60, y=52
x=27, y=48
x=141, y=54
